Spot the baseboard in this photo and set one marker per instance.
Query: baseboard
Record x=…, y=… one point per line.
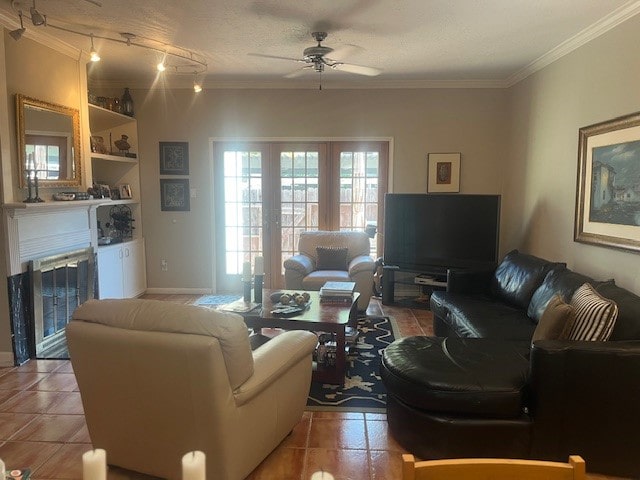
x=6, y=359
x=179, y=291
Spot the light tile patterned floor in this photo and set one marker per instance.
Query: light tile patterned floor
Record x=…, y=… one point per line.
x=42, y=426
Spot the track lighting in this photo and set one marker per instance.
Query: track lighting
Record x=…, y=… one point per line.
x=36, y=17
x=188, y=62
x=197, y=86
x=95, y=56
x=17, y=33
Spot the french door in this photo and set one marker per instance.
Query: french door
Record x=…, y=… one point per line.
x=268, y=193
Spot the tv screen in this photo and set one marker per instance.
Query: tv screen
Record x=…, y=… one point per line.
x=431, y=233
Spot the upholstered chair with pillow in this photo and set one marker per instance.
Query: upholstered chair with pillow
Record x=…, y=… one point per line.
x=332, y=256
x=158, y=380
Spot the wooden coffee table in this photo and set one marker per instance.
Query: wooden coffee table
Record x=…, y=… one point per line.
x=319, y=317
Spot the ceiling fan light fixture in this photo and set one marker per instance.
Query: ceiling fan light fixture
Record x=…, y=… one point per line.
x=18, y=32
x=94, y=55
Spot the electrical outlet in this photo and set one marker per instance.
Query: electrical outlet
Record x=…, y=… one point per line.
x=164, y=266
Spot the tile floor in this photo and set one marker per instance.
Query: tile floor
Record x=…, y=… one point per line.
x=42, y=427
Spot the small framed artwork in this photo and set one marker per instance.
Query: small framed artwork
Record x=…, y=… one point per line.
x=444, y=172
x=174, y=158
x=608, y=197
x=125, y=191
x=174, y=195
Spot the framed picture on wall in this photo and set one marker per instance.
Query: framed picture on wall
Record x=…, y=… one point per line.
x=608, y=190
x=174, y=195
x=174, y=158
x=443, y=172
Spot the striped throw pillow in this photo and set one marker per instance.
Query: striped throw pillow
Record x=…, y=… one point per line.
x=595, y=315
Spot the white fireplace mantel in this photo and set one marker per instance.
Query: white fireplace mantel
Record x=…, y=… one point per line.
x=36, y=230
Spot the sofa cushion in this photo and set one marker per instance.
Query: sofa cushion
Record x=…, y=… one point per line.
x=595, y=315
x=517, y=277
x=627, y=325
x=559, y=281
x=331, y=258
x=556, y=321
x=481, y=316
x=474, y=376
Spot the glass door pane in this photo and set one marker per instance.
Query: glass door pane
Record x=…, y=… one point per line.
x=240, y=195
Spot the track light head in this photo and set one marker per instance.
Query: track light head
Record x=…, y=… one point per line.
x=94, y=55
x=18, y=32
x=197, y=87
x=36, y=17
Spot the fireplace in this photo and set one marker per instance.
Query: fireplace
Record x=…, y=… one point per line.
x=59, y=284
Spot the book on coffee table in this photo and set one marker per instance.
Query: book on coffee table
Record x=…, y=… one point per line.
x=337, y=289
x=239, y=306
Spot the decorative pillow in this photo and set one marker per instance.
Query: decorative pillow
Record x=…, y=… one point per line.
x=556, y=321
x=595, y=315
x=331, y=258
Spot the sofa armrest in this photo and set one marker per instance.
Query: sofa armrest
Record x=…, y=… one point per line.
x=583, y=392
x=361, y=263
x=469, y=281
x=273, y=359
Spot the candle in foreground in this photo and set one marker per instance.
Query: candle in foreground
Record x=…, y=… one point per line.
x=94, y=465
x=258, y=268
x=246, y=272
x=193, y=466
x=2, y=470
x=321, y=476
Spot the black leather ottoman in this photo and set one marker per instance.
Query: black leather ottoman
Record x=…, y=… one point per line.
x=457, y=397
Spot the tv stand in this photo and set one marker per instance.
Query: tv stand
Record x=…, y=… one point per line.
x=426, y=280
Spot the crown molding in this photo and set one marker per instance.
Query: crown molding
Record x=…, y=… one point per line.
x=590, y=33
x=39, y=34
x=309, y=84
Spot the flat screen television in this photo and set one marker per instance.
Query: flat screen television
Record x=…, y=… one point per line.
x=433, y=232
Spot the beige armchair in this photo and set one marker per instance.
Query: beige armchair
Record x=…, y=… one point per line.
x=158, y=380
x=331, y=256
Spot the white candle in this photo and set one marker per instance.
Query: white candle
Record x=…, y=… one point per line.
x=258, y=268
x=246, y=272
x=2, y=470
x=193, y=466
x=321, y=476
x=94, y=465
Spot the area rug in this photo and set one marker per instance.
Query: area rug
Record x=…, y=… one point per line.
x=216, y=299
x=363, y=390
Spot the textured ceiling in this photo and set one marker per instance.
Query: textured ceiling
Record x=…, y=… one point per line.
x=411, y=41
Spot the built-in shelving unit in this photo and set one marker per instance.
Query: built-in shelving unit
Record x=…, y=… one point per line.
x=121, y=266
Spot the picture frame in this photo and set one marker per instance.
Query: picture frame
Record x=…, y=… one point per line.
x=174, y=158
x=608, y=189
x=125, y=191
x=174, y=195
x=443, y=172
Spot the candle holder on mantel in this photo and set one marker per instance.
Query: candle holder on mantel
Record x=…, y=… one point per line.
x=33, y=182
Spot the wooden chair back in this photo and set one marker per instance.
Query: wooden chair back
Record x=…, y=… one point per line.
x=492, y=469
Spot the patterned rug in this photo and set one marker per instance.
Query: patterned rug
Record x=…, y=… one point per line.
x=363, y=391
x=216, y=299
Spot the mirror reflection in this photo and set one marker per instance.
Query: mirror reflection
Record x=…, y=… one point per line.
x=48, y=143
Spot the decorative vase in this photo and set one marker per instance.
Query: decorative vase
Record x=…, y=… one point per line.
x=126, y=103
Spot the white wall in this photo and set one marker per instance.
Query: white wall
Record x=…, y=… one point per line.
x=597, y=82
x=470, y=121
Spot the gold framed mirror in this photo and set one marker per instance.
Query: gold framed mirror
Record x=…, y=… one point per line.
x=48, y=143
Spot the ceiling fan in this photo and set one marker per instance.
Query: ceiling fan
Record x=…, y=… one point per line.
x=316, y=58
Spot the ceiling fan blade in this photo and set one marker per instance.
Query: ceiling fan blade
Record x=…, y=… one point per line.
x=345, y=51
x=274, y=56
x=299, y=72
x=358, y=69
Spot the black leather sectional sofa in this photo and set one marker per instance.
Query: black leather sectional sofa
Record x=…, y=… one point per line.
x=480, y=389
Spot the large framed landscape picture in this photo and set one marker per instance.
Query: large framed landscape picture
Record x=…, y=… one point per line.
x=608, y=193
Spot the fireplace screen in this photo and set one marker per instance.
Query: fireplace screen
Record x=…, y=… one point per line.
x=60, y=284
